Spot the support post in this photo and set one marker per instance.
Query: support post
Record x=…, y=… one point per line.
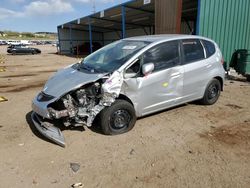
x=90, y=37
x=70, y=37
x=59, y=41
x=178, y=18
x=123, y=22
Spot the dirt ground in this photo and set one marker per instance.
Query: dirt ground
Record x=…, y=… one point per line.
x=188, y=146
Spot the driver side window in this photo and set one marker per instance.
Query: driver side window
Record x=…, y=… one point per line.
x=163, y=56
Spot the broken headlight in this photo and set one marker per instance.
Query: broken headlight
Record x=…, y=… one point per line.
x=42, y=97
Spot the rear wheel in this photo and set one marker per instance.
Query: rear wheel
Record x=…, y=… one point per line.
x=212, y=92
x=118, y=118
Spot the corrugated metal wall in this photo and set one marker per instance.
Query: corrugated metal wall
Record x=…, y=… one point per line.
x=167, y=16
x=227, y=22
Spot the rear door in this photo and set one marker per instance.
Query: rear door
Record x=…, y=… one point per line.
x=195, y=68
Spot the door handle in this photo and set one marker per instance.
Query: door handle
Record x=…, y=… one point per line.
x=176, y=74
x=208, y=65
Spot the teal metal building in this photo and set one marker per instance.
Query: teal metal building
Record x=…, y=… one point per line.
x=227, y=22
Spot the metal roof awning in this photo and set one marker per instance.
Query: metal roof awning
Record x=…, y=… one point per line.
x=135, y=17
x=137, y=14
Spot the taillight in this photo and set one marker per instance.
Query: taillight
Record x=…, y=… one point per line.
x=222, y=61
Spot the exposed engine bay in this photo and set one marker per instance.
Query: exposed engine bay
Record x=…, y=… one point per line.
x=81, y=106
x=75, y=104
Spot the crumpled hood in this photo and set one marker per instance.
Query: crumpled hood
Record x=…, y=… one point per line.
x=68, y=79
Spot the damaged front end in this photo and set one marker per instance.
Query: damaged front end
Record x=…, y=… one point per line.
x=77, y=107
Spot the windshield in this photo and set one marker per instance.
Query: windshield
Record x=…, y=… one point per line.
x=112, y=56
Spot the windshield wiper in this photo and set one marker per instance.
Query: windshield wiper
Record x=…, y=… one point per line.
x=98, y=71
x=91, y=69
x=86, y=67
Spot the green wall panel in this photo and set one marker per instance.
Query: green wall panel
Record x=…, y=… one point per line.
x=227, y=22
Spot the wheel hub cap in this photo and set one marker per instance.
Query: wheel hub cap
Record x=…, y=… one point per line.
x=120, y=119
x=213, y=91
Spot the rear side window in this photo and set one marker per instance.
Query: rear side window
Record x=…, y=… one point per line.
x=209, y=47
x=193, y=50
x=163, y=56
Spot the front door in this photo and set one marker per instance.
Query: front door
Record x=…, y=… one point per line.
x=163, y=87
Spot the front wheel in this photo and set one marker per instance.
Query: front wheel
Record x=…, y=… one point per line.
x=212, y=92
x=118, y=118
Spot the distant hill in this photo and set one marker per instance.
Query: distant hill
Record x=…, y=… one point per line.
x=46, y=33
x=5, y=35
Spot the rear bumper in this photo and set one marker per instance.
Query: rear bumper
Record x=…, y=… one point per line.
x=48, y=130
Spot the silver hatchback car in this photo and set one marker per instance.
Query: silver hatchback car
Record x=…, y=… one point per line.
x=127, y=79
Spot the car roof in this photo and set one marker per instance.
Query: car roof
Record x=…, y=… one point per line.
x=163, y=37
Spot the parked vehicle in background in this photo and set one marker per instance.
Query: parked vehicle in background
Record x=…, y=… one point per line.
x=27, y=42
x=13, y=42
x=127, y=79
x=22, y=49
x=3, y=42
x=37, y=42
x=55, y=43
x=48, y=42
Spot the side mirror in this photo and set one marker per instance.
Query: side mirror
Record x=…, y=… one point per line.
x=148, y=68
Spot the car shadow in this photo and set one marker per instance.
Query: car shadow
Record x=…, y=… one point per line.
x=96, y=126
x=34, y=130
x=22, y=54
x=196, y=103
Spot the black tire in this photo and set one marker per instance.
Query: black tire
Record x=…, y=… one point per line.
x=212, y=92
x=118, y=118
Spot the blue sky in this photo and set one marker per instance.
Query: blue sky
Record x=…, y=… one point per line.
x=45, y=15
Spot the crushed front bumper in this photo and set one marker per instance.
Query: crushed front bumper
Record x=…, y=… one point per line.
x=48, y=130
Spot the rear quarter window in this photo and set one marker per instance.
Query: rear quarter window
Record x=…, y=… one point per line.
x=209, y=47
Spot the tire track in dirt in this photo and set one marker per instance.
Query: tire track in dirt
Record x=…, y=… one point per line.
x=20, y=88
